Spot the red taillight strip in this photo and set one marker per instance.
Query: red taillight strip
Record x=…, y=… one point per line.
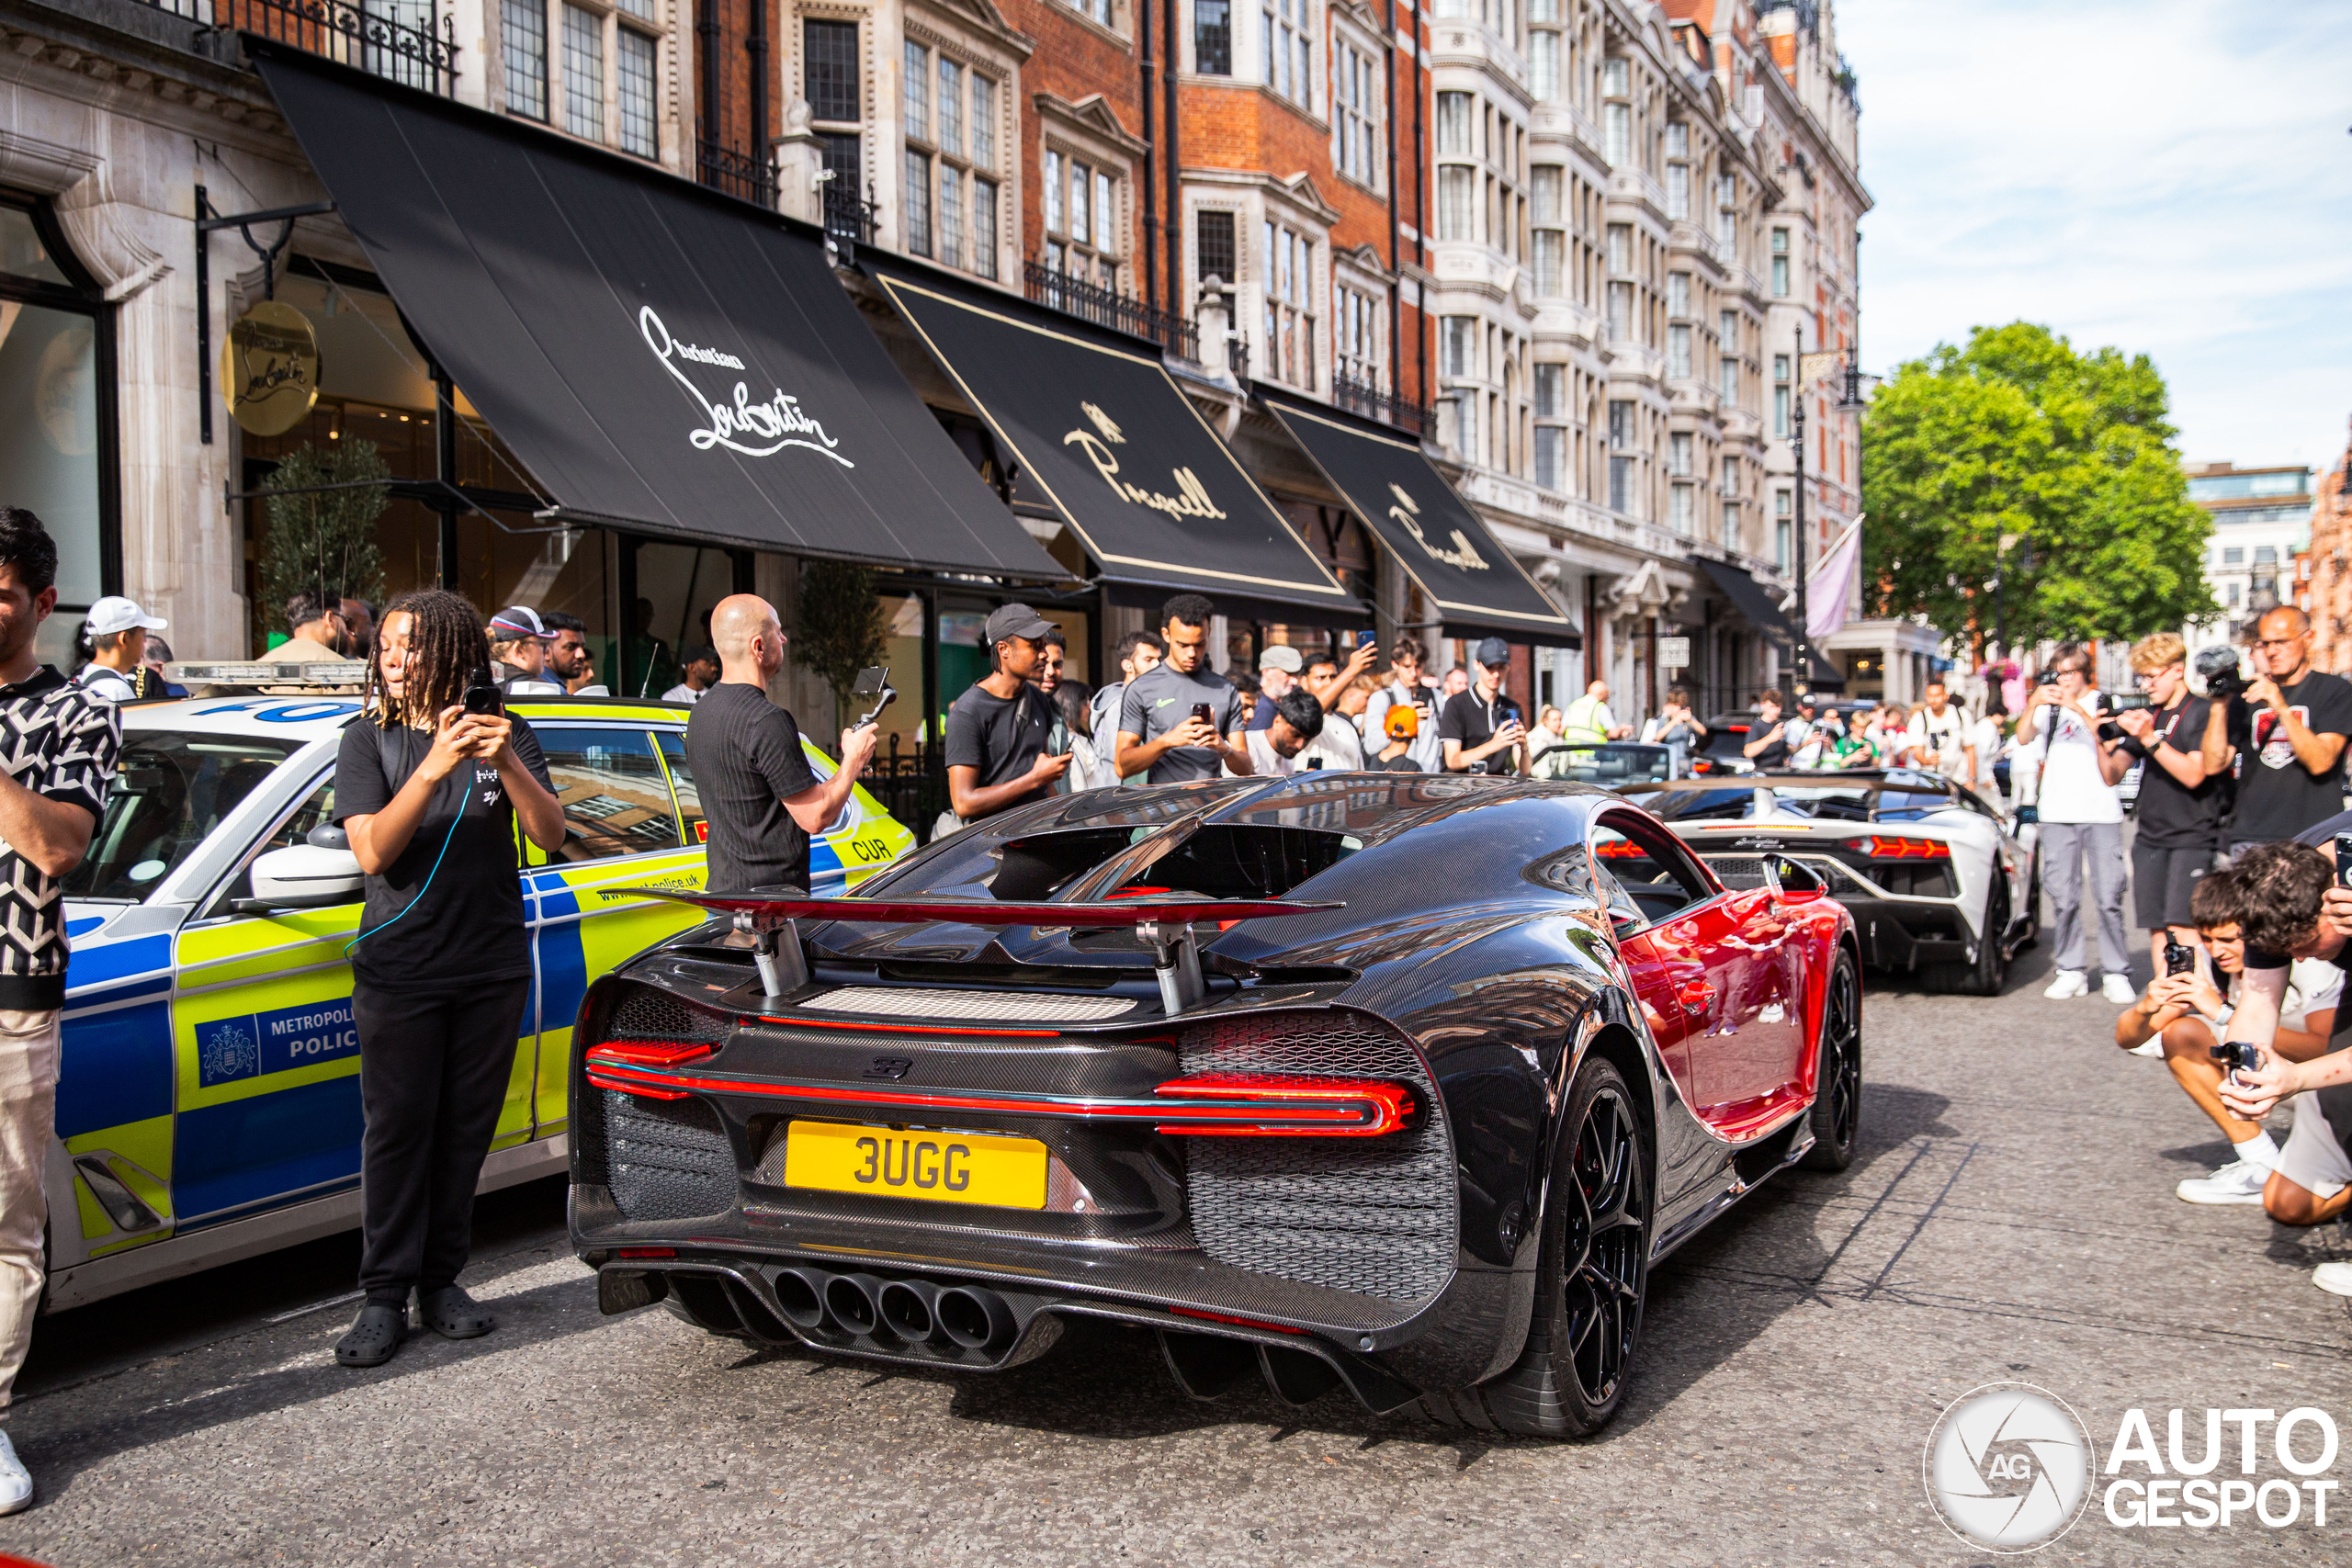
x=1236, y=1322
x=1883, y=846
x=612, y=1054
x=1296, y=1108
x=1390, y=1105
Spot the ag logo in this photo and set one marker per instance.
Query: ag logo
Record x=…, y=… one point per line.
x=2009, y=1467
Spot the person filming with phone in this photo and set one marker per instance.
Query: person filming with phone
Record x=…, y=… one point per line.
x=761, y=797
x=2275, y=895
x=1480, y=728
x=2082, y=823
x=2313, y=1180
x=2180, y=799
x=432, y=781
x=1181, y=720
x=997, y=755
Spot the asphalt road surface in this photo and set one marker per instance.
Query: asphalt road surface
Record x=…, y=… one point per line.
x=2010, y=1217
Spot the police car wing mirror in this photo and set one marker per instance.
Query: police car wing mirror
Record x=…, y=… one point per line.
x=302, y=876
x=873, y=682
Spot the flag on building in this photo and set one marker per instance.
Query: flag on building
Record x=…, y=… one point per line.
x=1831, y=584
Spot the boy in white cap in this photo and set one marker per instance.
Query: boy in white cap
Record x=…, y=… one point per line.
x=116, y=629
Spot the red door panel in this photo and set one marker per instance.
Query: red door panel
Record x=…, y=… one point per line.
x=1676, y=975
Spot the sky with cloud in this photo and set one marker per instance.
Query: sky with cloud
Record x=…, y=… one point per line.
x=2170, y=176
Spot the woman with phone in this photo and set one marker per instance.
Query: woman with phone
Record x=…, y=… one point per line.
x=432, y=783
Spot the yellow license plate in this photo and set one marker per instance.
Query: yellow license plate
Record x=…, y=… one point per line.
x=945, y=1167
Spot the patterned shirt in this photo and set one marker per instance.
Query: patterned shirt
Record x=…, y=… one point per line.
x=60, y=741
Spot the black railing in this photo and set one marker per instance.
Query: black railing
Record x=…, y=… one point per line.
x=402, y=40
x=911, y=784
x=737, y=173
x=1366, y=398
x=847, y=217
x=1107, y=308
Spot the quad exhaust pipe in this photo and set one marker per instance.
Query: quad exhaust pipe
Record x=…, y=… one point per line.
x=905, y=1319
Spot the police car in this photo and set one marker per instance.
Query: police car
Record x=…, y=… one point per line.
x=208, y=1107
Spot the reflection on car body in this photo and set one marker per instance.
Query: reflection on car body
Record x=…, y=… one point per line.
x=207, y=1104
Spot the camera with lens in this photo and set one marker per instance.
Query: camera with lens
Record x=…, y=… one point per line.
x=2236, y=1056
x=2045, y=678
x=2219, y=669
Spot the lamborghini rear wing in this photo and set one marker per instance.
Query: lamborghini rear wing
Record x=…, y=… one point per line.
x=1167, y=924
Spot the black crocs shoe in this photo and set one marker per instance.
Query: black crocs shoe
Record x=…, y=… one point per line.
x=453, y=1314
x=374, y=1338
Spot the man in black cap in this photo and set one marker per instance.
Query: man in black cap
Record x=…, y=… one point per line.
x=996, y=731
x=1480, y=728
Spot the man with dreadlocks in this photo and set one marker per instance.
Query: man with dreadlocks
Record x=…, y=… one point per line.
x=431, y=797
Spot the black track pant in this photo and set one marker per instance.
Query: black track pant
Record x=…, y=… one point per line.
x=434, y=1068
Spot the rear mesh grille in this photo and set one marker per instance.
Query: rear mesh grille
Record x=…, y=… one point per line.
x=647, y=1012
x=666, y=1159
x=1376, y=1216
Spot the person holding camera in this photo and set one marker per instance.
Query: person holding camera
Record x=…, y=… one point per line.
x=432, y=779
x=997, y=754
x=759, y=795
x=1767, y=745
x=1177, y=722
x=2082, y=822
x=1940, y=739
x=2187, y=1013
x=2180, y=800
x=2313, y=1181
x=2287, y=733
x=1480, y=728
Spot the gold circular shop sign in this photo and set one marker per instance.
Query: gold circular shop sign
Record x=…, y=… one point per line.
x=269, y=369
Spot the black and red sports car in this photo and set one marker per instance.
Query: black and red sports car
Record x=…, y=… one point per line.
x=1393, y=1082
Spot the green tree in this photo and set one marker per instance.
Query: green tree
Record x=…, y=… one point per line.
x=840, y=630
x=2019, y=461
x=324, y=541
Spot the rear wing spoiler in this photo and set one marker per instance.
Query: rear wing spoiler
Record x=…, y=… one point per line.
x=1167, y=924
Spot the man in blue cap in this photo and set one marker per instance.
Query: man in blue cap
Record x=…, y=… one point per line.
x=1480, y=728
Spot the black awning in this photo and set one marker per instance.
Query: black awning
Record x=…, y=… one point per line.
x=658, y=357
x=1117, y=450
x=1755, y=604
x=1473, y=585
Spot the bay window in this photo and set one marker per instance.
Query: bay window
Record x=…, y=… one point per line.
x=949, y=111
x=1289, y=36
x=1081, y=220
x=1290, y=306
x=1355, y=122
x=1356, y=336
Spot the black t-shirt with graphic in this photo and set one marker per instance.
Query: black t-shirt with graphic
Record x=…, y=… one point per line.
x=2173, y=816
x=436, y=920
x=2278, y=798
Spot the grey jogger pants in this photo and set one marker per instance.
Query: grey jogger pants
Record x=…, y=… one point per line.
x=2064, y=847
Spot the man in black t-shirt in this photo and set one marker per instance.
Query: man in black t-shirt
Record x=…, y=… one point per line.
x=997, y=755
x=2288, y=734
x=1768, y=738
x=2180, y=802
x=1480, y=728
x=761, y=797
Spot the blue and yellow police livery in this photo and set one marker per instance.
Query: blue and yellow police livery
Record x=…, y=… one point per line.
x=209, y=1103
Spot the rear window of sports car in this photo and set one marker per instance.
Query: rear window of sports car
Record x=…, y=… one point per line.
x=1696, y=804
x=170, y=790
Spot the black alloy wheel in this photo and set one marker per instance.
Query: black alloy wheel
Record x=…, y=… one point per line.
x=1591, y=1281
x=1836, y=1114
x=1993, y=944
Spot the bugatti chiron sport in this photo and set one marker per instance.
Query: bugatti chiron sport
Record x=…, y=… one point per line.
x=1385, y=1082
x=1939, y=884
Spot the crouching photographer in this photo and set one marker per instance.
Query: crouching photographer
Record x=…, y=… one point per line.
x=430, y=784
x=2188, y=1012
x=2312, y=1182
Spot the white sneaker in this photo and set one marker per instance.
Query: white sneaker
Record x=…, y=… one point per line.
x=2070, y=983
x=2118, y=989
x=2151, y=1046
x=16, y=1481
x=2334, y=1278
x=2240, y=1181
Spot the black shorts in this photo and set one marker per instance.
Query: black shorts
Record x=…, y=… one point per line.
x=2162, y=881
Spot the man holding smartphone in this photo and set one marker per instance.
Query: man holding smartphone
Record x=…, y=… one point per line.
x=2082, y=824
x=2312, y=1182
x=1480, y=728
x=997, y=755
x=1406, y=686
x=1181, y=720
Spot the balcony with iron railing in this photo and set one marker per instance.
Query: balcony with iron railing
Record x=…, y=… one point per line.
x=1366, y=398
x=1108, y=308
x=410, y=42
x=738, y=174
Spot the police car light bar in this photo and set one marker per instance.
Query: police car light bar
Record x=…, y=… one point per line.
x=321, y=672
